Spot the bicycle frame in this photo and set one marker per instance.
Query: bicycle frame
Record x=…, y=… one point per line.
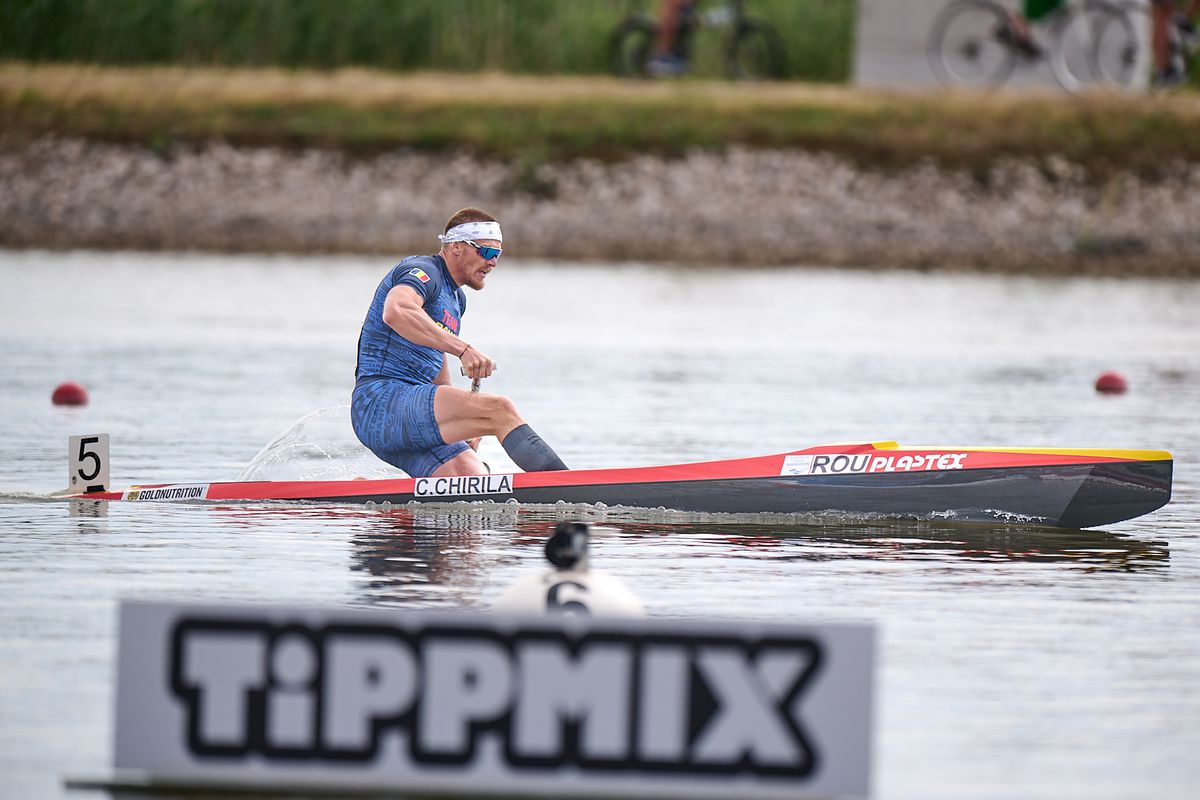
x=750, y=49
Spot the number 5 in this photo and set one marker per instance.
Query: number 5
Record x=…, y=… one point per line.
x=84, y=454
x=89, y=463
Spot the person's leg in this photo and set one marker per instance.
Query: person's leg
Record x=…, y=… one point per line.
x=668, y=25
x=1020, y=24
x=530, y=452
x=667, y=59
x=1020, y=36
x=374, y=407
x=464, y=415
x=396, y=422
x=1186, y=18
x=465, y=463
x=433, y=461
x=1160, y=17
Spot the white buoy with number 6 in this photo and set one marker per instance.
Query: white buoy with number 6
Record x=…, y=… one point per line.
x=570, y=587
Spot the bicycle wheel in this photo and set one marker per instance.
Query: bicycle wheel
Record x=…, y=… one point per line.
x=755, y=52
x=631, y=45
x=1094, y=44
x=1123, y=55
x=1140, y=59
x=967, y=44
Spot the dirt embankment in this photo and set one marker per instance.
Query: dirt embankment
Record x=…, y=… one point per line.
x=91, y=165
x=737, y=207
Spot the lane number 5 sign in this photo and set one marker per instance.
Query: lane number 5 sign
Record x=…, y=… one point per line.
x=88, y=463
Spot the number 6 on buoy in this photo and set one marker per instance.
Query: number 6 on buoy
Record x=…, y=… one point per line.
x=88, y=463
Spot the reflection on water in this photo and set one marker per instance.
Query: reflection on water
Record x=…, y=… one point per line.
x=436, y=555
x=87, y=509
x=923, y=541
x=409, y=555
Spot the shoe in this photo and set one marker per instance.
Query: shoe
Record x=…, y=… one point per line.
x=1187, y=32
x=666, y=66
x=1169, y=78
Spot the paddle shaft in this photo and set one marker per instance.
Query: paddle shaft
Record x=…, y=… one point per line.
x=474, y=381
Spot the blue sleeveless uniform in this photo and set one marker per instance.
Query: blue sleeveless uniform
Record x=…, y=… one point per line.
x=392, y=405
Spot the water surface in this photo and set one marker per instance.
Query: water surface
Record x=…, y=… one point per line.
x=1013, y=663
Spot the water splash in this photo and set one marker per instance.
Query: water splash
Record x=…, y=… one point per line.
x=319, y=446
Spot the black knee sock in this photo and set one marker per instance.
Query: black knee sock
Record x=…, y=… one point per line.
x=529, y=452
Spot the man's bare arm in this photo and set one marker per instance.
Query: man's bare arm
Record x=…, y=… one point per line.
x=403, y=313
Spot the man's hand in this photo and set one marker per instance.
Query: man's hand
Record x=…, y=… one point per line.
x=476, y=365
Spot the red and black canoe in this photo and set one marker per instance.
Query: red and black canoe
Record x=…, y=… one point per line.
x=1068, y=488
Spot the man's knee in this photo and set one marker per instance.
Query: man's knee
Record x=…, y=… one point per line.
x=501, y=409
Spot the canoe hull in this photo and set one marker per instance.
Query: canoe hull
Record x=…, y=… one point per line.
x=1080, y=496
x=1060, y=488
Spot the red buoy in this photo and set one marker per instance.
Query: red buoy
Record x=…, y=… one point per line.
x=69, y=394
x=1111, y=383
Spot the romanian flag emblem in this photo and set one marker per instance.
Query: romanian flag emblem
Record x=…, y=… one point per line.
x=420, y=273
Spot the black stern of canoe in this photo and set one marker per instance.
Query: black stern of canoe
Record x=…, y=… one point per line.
x=1119, y=491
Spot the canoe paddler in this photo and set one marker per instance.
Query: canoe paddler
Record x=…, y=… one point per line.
x=403, y=407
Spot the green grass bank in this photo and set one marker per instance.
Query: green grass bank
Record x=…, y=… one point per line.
x=540, y=120
x=519, y=36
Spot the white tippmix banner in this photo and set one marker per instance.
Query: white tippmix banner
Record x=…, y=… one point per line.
x=484, y=703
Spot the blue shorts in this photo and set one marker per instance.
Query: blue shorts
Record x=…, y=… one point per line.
x=395, y=421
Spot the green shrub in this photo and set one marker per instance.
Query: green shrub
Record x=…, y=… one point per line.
x=521, y=36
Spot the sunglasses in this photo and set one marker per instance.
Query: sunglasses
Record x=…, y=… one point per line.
x=486, y=253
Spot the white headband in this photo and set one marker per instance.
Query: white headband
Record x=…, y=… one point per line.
x=472, y=231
